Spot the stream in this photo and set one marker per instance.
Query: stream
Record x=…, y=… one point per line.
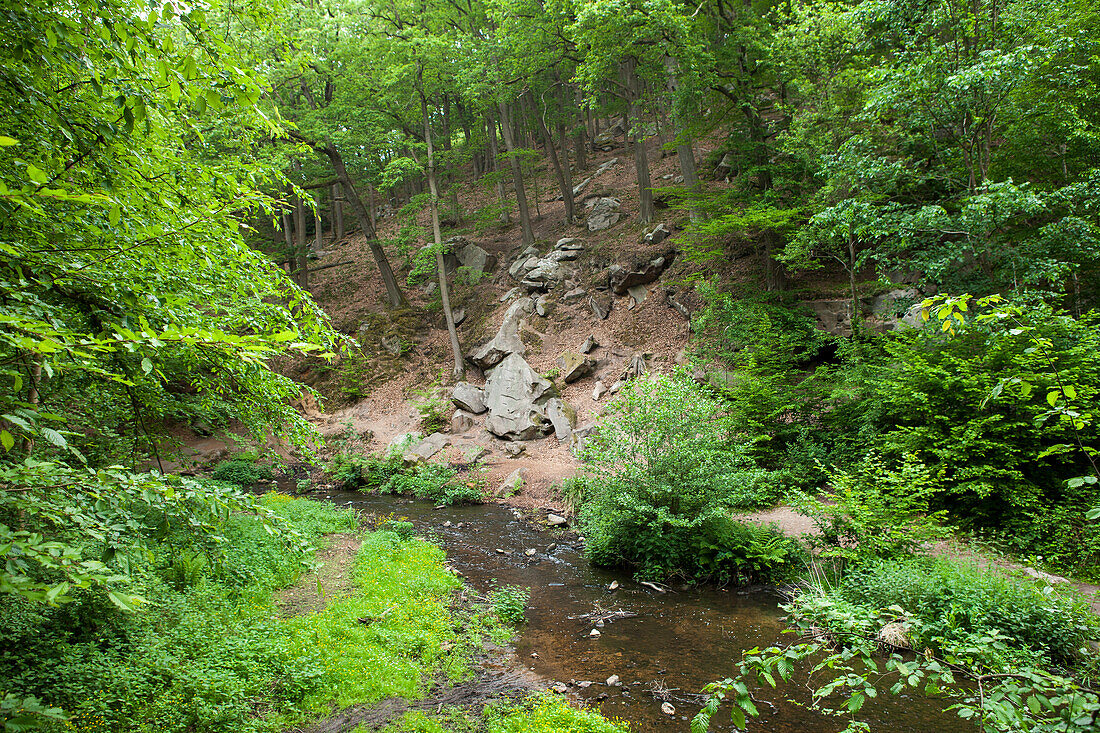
x=679, y=640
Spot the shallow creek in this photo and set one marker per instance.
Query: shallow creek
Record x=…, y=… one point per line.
x=679, y=640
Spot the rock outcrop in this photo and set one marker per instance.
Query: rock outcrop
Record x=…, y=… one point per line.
x=466, y=396
x=507, y=340
x=622, y=279
x=515, y=395
x=605, y=214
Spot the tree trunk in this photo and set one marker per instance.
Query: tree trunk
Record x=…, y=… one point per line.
x=517, y=174
x=494, y=155
x=775, y=276
x=579, y=151
x=559, y=172
x=301, y=265
x=684, y=152
x=637, y=141
x=393, y=292
x=337, y=211
x=440, y=264
x=319, y=229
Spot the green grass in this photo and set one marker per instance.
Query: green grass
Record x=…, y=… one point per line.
x=541, y=713
x=210, y=651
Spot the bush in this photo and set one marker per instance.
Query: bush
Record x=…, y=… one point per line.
x=875, y=511
x=954, y=602
x=389, y=475
x=241, y=472
x=663, y=472
x=510, y=604
x=549, y=714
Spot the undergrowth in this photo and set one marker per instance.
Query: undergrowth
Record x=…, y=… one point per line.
x=388, y=474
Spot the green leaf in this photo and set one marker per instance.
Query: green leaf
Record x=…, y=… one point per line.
x=7, y=440
x=54, y=437
x=7, y=142
x=146, y=365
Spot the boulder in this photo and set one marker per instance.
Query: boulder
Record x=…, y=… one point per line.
x=576, y=440
x=556, y=520
x=461, y=421
x=511, y=485
x=623, y=279
x=563, y=255
x=510, y=294
x=514, y=393
x=545, y=275
x=833, y=316
x=575, y=366
x=514, y=450
x=562, y=417
x=466, y=396
x=507, y=340
x=403, y=442
x=606, y=166
x=675, y=303
x=659, y=234
x=573, y=295
x=431, y=445
x=601, y=305
x=598, y=391
x=605, y=213
x=569, y=244
x=589, y=344
x=638, y=293
x=477, y=261
x=459, y=316
x=543, y=306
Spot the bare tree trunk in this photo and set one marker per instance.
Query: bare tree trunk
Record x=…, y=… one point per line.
x=440, y=264
x=301, y=265
x=684, y=152
x=35, y=378
x=517, y=174
x=338, y=211
x=559, y=172
x=636, y=135
x=579, y=150
x=494, y=155
x=319, y=229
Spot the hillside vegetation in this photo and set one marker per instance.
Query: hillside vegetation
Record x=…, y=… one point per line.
x=881, y=219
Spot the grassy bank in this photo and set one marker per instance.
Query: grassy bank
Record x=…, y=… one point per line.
x=213, y=650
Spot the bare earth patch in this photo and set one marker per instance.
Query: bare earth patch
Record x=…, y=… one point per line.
x=330, y=579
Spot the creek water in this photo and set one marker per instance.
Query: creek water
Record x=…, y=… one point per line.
x=679, y=640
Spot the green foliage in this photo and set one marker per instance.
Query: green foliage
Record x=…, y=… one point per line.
x=510, y=604
x=874, y=510
x=240, y=472
x=976, y=639
x=389, y=475
x=663, y=473
x=433, y=403
x=549, y=714
x=751, y=348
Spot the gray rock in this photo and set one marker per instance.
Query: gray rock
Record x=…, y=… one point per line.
x=543, y=306
x=403, y=442
x=580, y=434
x=562, y=417
x=429, y=288
x=511, y=294
x=623, y=279
x=574, y=295
x=556, y=520
x=516, y=270
x=477, y=261
x=461, y=421
x=605, y=213
x=613, y=681
x=598, y=391
x=563, y=255
x=570, y=243
x=676, y=305
x=833, y=316
x=474, y=453
x=459, y=316
x=606, y=166
x=560, y=688
x=575, y=366
x=511, y=485
x=546, y=275
x=430, y=445
x=392, y=344
x=614, y=388
x=589, y=344
x=514, y=450
x=678, y=179
x=507, y=340
x=466, y=396
x=514, y=393
x=659, y=234
x=638, y=293
x=581, y=186
x=601, y=305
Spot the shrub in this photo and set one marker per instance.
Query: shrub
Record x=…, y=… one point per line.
x=389, y=475
x=510, y=604
x=549, y=714
x=875, y=511
x=240, y=472
x=663, y=471
x=954, y=600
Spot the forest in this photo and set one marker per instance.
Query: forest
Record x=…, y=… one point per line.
x=872, y=228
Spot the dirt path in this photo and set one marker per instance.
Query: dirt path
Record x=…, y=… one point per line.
x=331, y=578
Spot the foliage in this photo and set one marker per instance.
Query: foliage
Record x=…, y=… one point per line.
x=876, y=511
x=240, y=472
x=663, y=473
x=979, y=640
x=389, y=474
x=549, y=714
x=510, y=603
x=433, y=403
